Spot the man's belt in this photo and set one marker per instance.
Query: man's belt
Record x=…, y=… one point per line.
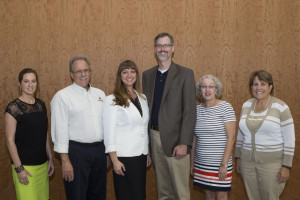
x=156, y=128
x=85, y=144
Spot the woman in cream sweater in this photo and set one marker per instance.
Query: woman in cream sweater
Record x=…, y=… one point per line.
x=266, y=140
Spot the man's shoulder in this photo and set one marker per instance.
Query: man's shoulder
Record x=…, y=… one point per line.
x=64, y=90
x=180, y=67
x=62, y=94
x=148, y=71
x=110, y=97
x=97, y=90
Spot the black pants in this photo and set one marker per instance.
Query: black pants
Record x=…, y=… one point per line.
x=132, y=186
x=89, y=164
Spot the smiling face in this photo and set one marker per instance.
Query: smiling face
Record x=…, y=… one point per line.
x=128, y=77
x=163, y=49
x=208, y=90
x=81, y=73
x=260, y=89
x=28, y=84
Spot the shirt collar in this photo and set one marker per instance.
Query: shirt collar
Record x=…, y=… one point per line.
x=81, y=89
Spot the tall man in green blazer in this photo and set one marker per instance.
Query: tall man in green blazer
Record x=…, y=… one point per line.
x=170, y=90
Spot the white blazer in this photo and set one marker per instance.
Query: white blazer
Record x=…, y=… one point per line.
x=125, y=130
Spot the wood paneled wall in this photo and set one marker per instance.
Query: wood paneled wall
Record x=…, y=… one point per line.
x=228, y=39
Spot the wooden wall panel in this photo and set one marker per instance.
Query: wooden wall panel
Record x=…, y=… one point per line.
x=228, y=39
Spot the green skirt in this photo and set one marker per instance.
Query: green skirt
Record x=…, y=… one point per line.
x=38, y=186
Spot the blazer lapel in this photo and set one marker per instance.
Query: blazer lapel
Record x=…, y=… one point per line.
x=171, y=74
x=143, y=106
x=133, y=110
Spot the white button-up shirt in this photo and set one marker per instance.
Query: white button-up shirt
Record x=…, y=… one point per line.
x=76, y=114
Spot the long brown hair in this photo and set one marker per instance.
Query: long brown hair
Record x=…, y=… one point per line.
x=120, y=91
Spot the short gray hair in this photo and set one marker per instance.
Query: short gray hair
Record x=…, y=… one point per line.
x=72, y=60
x=217, y=82
x=161, y=35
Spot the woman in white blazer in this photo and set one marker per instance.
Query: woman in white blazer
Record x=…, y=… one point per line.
x=125, y=117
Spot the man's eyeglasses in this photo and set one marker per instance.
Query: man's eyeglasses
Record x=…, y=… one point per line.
x=81, y=71
x=163, y=45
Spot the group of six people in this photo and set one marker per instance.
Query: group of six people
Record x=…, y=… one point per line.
x=89, y=130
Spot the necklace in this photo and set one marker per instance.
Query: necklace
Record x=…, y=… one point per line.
x=254, y=119
x=27, y=100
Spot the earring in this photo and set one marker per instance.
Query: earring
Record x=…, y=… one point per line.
x=20, y=88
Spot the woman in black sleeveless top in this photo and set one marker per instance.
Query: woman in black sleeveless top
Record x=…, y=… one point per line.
x=27, y=141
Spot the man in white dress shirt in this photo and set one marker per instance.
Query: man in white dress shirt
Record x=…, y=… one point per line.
x=76, y=129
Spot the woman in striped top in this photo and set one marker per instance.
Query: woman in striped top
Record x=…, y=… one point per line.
x=211, y=162
x=266, y=141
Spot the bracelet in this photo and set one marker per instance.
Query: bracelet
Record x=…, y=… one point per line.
x=286, y=167
x=19, y=169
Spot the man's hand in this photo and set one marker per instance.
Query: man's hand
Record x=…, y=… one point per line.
x=67, y=168
x=180, y=151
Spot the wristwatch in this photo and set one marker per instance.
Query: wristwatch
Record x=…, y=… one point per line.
x=223, y=165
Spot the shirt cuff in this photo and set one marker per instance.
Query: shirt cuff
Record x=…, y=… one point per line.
x=59, y=148
x=110, y=148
